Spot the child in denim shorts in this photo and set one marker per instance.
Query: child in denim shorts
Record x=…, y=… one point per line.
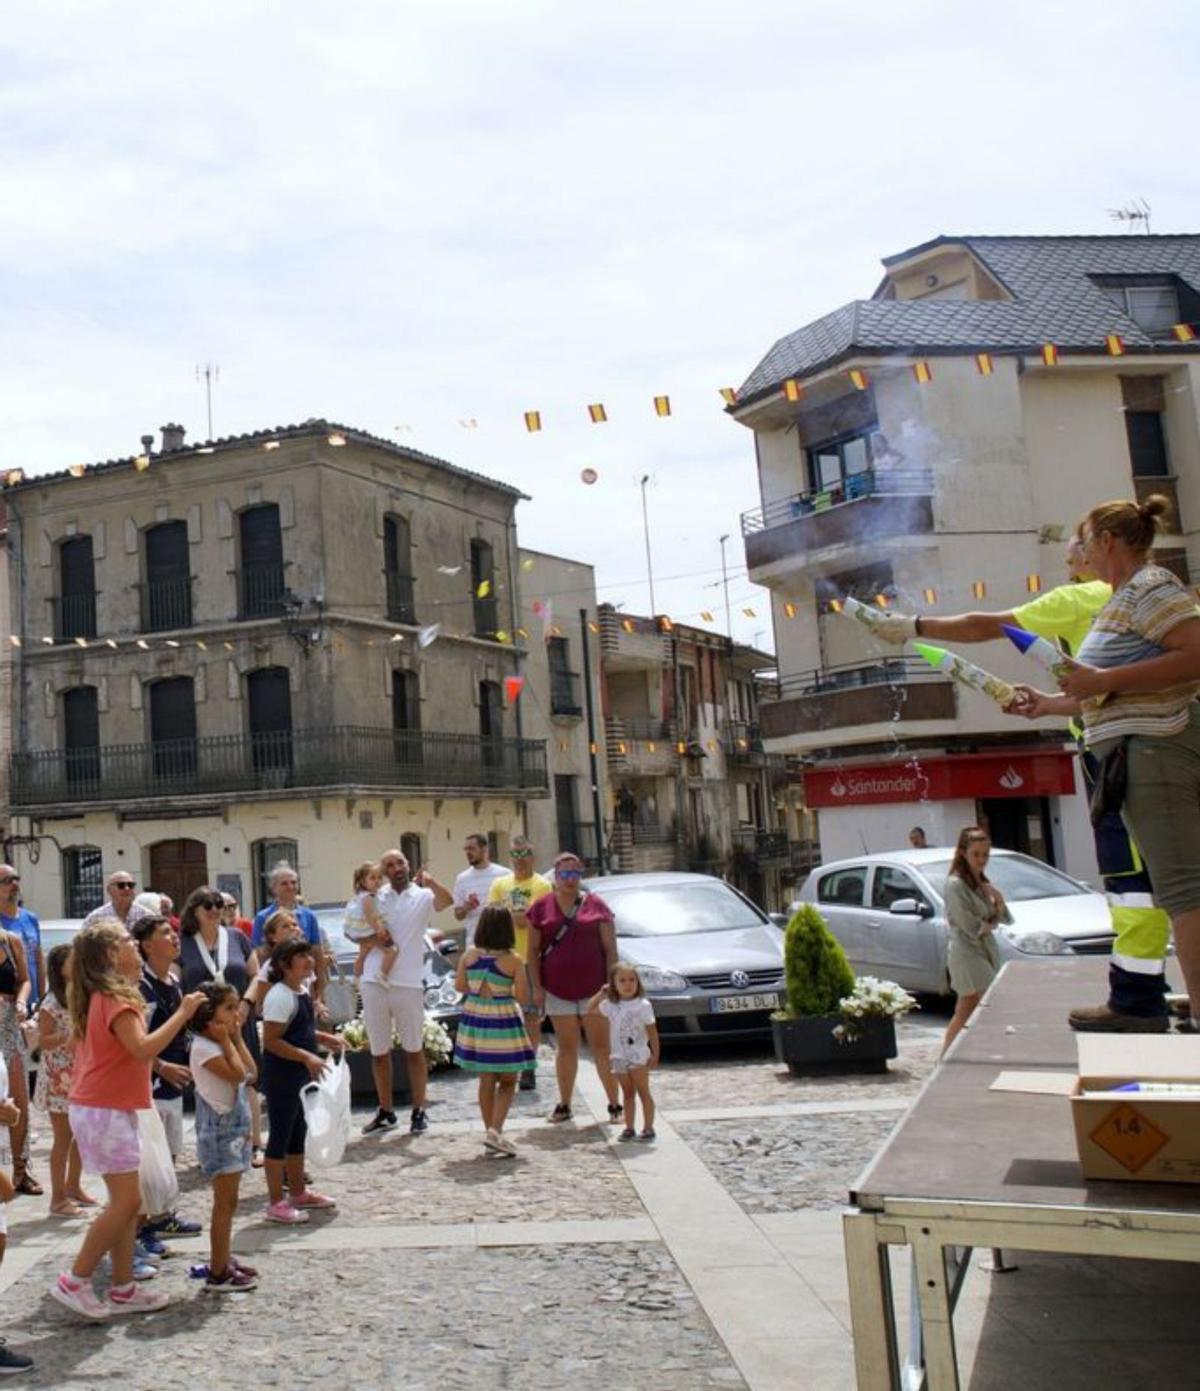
x=221, y=1067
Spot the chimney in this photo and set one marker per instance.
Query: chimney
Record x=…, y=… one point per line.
x=147, y=444
x=172, y=437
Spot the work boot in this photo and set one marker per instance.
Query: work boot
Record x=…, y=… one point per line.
x=1103, y=1019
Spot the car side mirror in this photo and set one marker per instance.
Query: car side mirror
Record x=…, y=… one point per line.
x=449, y=947
x=779, y=919
x=910, y=908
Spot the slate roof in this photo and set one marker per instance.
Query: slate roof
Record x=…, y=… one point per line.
x=259, y=437
x=1054, y=301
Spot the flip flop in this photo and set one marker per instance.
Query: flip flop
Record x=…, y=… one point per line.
x=67, y=1209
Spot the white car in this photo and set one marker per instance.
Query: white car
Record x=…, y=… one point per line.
x=887, y=912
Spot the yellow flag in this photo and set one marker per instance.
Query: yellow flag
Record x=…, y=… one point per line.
x=858, y=379
x=533, y=421
x=662, y=405
x=729, y=395
x=923, y=372
x=792, y=389
x=598, y=414
x=790, y=610
x=483, y=589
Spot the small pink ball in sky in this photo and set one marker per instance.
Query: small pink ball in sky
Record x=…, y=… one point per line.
x=589, y=475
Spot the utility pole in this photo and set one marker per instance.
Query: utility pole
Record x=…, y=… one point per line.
x=209, y=373
x=593, y=765
x=725, y=586
x=646, y=531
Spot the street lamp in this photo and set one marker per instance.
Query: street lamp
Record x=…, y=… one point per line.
x=725, y=586
x=646, y=531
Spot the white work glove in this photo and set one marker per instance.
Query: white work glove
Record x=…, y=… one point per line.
x=896, y=628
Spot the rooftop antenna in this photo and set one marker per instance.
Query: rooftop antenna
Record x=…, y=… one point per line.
x=209, y=373
x=1134, y=212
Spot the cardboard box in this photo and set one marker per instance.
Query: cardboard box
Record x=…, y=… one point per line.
x=1143, y=1136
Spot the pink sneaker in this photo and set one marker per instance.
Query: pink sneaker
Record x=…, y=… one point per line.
x=285, y=1214
x=136, y=1299
x=310, y=1199
x=79, y=1297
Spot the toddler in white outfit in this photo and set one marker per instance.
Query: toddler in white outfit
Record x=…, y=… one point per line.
x=633, y=1044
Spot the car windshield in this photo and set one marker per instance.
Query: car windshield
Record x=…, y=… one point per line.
x=1017, y=878
x=678, y=908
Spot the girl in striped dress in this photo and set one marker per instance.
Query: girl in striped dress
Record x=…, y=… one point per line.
x=491, y=1033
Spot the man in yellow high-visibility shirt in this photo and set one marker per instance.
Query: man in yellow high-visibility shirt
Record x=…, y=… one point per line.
x=1136, y=972
x=516, y=891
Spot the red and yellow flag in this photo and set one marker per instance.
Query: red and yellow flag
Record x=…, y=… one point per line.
x=1049, y=355
x=1184, y=333
x=983, y=364
x=792, y=389
x=1115, y=344
x=662, y=405
x=979, y=589
x=706, y=616
x=597, y=414
x=923, y=372
x=729, y=395
x=1033, y=583
x=858, y=378
x=789, y=610
x=664, y=623
x=533, y=421
x=627, y=624
x=930, y=596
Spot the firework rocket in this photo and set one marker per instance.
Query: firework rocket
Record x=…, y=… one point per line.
x=966, y=673
x=870, y=618
x=1044, y=653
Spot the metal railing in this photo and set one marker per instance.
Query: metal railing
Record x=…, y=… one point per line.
x=890, y=482
x=260, y=590
x=74, y=616
x=890, y=671
x=653, y=834
x=771, y=847
x=343, y=755
x=642, y=730
x=166, y=604
x=401, y=603
x=564, y=693
x=742, y=739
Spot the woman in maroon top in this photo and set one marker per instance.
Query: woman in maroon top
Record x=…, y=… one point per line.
x=572, y=949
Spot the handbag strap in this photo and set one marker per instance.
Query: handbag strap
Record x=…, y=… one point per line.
x=568, y=923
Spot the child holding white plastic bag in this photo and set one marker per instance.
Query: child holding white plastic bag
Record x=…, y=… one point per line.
x=10, y=1113
x=221, y=1068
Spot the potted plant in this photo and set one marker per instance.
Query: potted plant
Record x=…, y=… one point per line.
x=439, y=1048
x=832, y=1021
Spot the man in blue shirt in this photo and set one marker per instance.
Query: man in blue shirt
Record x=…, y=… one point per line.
x=14, y=918
x=284, y=884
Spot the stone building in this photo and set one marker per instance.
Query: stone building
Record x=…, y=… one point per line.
x=292, y=644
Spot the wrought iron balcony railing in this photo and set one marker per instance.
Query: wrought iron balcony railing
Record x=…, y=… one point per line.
x=166, y=604
x=564, y=693
x=877, y=482
x=74, y=616
x=401, y=602
x=341, y=756
x=260, y=590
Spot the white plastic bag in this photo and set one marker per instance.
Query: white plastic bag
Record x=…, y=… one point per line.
x=156, y=1171
x=327, y=1113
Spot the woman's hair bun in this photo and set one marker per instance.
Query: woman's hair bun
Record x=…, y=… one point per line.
x=1155, y=506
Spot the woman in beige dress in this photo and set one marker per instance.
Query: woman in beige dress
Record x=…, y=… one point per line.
x=974, y=909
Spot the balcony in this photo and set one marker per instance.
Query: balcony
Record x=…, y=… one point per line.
x=401, y=603
x=631, y=644
x=644, y=848
x=743, y=743
x=74, y=616
x=852, y=699
x=166, y=604
x=640, y=747
x=870, y=506
x=771, y=848
x=564, y=693
x=260, y=590
x=313, y=760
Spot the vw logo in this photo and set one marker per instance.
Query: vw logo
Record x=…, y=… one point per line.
x=739, y=980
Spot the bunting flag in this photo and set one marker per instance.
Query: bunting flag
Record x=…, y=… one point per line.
x=789, y=610
x=651, y=747
x=513, y=686
x=979, y=589
x=749, y=613
x=1184, y=333
x=923, y=372
x=533, y=421
x=597, y=414
x=141, y=463
x=858, y=378
x=664, y=623
x=1115, y=344
x=930, y=596
x=792, y=389
x=627, y=624
x=729, y=395
x=983, y=364
x=483, y=589
x=593, y=627
x=1033, y=584
x=621, y=747
x=681, y=746
x=77, y=470
x=706, y=616
x=1049, y=355
x=662, y=405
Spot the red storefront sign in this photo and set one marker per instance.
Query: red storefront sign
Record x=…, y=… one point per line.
x=1049, y=774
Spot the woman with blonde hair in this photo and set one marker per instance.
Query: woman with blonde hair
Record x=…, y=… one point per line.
x=1135, y=685
x=974, y=909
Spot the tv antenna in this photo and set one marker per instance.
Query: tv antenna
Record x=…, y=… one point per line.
x=209, y=373
x=1134, y=212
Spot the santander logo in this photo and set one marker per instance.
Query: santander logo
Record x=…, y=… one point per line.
x=838, y=788
x=1010, y=779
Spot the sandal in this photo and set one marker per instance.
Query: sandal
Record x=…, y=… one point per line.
x=616, y=1112
x=65, y=1209
x=562, y=1112
x=29, y=1186
x=258, y=1157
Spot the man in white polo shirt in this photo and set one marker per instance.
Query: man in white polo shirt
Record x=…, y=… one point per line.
x=473, y=885
x=406, y=906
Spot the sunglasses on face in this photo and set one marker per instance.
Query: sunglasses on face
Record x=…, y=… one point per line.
x=11, y=879
x=210, y=903
x=125, y=886
x=569, y=874
x=522, y=854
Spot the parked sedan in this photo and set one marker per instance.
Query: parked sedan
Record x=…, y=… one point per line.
x=887, y=911
x=711, y=962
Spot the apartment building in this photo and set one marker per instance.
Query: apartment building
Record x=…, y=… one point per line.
x=932, y=447
x=292, y=644
x=692, y=786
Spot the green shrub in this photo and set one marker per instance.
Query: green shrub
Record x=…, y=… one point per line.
x=815, y=966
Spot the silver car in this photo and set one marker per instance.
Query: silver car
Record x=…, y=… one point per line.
x=888, y=914
x=711, y=962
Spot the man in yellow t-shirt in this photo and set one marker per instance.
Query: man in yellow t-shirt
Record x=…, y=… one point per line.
x=516, y=891
x=1137, y=968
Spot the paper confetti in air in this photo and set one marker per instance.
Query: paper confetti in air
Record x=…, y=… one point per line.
x=449, y=569
x=707, y=617
x=470, y=423
x=749, y=613
x=483, y=589
x=1115, y=344
x=527, y=564
x=789, y=610
x=142, y=462
x=627, y=624
x=930, y=596
x=427, y=635
x=597, y=414
x=1184, y=333
x=1033, y=584
x=77, y=470
x=593, y=627
x=979, y=589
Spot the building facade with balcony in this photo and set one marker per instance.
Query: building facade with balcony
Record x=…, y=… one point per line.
x=285, y=645
x=932, y=448
x=692, y=786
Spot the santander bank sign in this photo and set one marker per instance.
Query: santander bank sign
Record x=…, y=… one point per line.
x=1050, y=774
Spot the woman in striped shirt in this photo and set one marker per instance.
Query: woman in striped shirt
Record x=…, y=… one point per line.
x=1136, y=680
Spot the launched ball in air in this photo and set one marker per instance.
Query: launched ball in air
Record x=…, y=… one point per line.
x=589, y=476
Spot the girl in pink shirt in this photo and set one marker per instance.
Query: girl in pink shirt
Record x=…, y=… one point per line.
x=109, y=1086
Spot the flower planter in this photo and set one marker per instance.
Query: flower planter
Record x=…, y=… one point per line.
x=362, y=1079
x=808, y=1045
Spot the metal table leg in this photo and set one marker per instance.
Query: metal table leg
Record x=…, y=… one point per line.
x=872, y=1308
x=937, y=1290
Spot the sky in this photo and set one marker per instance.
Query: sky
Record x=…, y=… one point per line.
x=404, y=217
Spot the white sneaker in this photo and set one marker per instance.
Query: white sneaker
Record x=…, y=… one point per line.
x=140, y=1301
x=83, y=1301
x=506, y=1146
x=493, y=1141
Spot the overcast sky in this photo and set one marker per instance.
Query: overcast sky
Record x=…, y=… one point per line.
x=399, y=215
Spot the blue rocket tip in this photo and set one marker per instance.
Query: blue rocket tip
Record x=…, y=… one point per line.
x=1020, y=638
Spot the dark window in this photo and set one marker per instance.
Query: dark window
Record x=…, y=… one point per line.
x=397, y=570
x=491, y=723
x=863, y=584
x=76, y=617
x=173, y=728
x=831, y=463
x=261, y=578
x=483, y=572
x=410, y=848
x=406, y=717
x=167, y=596
x=269, y=697
x=266, y=854
x=83, y=880
x=890, y=885
x=1147, y=444
x=564, y=683
x=843, y=886
x=1152, y=302
x=81, y=737
x=564, y=812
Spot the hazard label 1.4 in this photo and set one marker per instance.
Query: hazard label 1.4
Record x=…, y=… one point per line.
x=1129, y=1137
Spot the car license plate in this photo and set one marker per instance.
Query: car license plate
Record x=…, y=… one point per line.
x=736, y=1004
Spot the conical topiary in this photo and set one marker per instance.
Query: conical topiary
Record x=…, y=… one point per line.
x=817, y=973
